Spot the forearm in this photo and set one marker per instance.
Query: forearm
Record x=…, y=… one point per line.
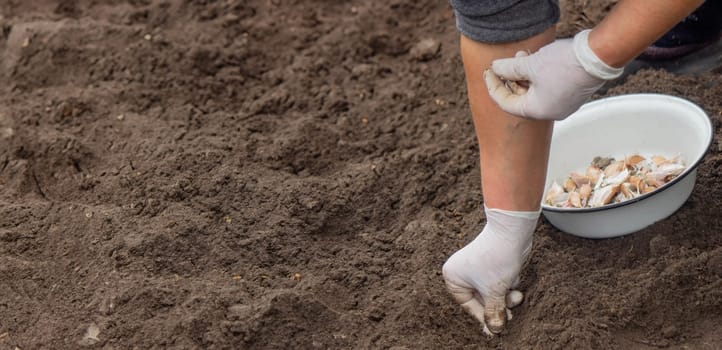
x=635, y=24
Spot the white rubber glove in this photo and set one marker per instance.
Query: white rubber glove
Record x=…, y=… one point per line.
x=560, y=77
x=480, y=275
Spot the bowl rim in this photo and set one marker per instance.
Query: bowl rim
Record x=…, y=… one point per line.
x=680, y=177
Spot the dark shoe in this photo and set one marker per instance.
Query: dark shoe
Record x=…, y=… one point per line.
x=700, y=29
x=659, y=53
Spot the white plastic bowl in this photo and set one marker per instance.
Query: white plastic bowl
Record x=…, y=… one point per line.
x=648, y=124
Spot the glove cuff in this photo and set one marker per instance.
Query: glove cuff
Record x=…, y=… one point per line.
x=590, y=61
x=529, y=215
x=512, y=225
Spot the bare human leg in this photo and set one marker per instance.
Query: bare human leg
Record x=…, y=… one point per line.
x=513, y=157
x=513, y=151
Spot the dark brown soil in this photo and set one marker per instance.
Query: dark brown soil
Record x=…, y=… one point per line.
x=292, y=174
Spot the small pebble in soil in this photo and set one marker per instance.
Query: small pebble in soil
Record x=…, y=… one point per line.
x=6, y=132
x=426, y=49
x=238, y=312
x=362, y=69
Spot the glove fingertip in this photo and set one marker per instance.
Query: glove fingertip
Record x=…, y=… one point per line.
x=511, y=68
x=498, y=66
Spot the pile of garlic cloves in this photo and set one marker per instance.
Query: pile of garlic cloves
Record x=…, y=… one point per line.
x=608, y=180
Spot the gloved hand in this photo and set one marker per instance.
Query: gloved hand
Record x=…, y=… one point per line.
x=480, y=275
x=560, y=77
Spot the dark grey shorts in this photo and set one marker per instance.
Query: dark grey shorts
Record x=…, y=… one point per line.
x=499, y=21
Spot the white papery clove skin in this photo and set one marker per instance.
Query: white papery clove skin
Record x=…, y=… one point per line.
x=556, y=195
x=666, y=171
x=617, y=179
x=603, y=196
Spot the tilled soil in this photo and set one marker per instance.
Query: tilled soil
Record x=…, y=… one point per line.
x=276, y=174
